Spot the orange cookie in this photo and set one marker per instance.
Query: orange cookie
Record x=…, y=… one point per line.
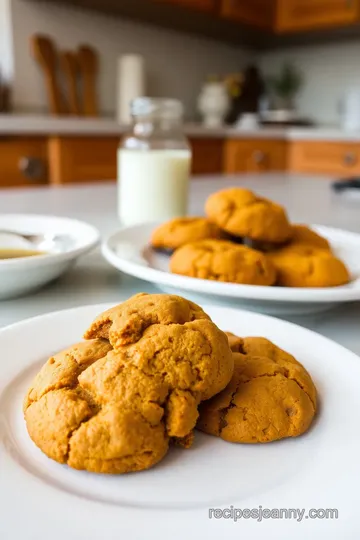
x=301, y=265
x=302, y=234
x=179, y=231
x=242, y=213
x=223, y=261
x=270, y=396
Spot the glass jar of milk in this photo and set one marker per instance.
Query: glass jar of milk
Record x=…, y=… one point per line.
x=154, y=163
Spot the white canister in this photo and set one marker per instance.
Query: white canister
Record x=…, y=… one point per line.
x=154, y=164
x=130, y=84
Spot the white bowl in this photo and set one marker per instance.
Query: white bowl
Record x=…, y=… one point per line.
x=22, y=275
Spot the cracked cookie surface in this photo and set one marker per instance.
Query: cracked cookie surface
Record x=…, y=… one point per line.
x=223, y=261
x=179, y=231
x=270, y=396
x=301, y=265
x=241, y=212
x=114, y=410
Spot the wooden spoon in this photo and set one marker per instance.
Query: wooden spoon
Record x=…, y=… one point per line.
x=70, y=68
x=44, y=51
x=88, y=63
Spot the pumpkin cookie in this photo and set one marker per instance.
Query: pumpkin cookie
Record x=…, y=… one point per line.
x=301, y=265
x=179, y=231
x=223, y=261
x=271, y=396
x=302, y=234
x=112, y=403
x=242, y=213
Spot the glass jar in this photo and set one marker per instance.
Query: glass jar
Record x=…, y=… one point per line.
x=154, y=163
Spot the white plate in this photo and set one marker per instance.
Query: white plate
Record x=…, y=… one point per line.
x=40, y=499
x=20, y=276
x=128, y=250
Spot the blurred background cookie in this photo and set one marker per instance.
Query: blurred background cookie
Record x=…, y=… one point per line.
x=179, y=231
x=271, y=396
x=301, y=265
x=243, y=214
x=223, y=261
x=302, y=234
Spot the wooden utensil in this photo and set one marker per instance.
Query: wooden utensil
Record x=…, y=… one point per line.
x=88, y=63
x=44, y=51
x=70, y=69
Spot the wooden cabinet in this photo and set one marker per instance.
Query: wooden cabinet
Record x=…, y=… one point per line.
x=23, y=161
x=293, y=15
x=87, y=159
x=318, y=157
x=203, y=5
x=257, y=155
x=82, y=159
x=254, y=12
x=208, y=155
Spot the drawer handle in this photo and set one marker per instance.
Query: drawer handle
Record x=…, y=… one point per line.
x=258, y=156
x=31, y=167
x=350, y=159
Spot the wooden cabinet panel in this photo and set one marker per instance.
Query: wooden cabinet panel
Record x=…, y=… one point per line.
x=295, y=15
x=82, y=159
x=324, y=157
x=23, y=161
x=203, y=5
x=208, y=156
x=255, y=12
x=86, y=159
x=255, y=156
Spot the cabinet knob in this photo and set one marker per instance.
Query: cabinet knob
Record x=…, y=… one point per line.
x=350, y=158
x=31, y=167
x=258, y=156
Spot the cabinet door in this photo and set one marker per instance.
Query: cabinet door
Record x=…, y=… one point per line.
x=321, y=157
x=255, y=155
x=203, y=5
x=208, y=155
x=23, y=161
x=255, y=12
x=313, y=14
x=82, y=159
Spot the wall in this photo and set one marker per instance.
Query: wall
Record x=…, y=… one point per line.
x=177, y=63
x=6, y=56
x=328, y=71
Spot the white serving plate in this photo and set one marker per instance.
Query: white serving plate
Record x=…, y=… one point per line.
x=40, y=499
x=128, y=250
x=22, y=275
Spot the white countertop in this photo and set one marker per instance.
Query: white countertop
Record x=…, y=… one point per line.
x=307, y=199
x=18, y=125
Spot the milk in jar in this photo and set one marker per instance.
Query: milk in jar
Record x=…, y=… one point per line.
x=154, y=164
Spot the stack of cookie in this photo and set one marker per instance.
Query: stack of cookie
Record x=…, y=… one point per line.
x=148, y=372
x=112, y=403
x=249, y=240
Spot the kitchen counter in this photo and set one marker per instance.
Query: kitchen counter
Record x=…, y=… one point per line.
x=21, y=125
x=92, y=280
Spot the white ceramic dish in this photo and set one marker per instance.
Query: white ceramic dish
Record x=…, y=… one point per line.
x=20, y=276
x=128, y=250
x=40, y=499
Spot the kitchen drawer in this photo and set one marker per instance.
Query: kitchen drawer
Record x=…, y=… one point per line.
x=325, y=157
x=23, y=161
x=208, y=155
x=254, y=155
x=82, y=159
